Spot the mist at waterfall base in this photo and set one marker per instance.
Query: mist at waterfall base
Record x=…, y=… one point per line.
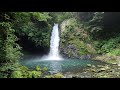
x=53, y=61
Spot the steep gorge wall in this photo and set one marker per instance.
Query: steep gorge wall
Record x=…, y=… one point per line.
x=75, y=42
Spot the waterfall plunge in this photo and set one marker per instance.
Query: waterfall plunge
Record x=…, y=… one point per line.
x=54, y=45
x=54, y=42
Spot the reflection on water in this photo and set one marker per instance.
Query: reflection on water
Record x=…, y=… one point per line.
x=55, y=67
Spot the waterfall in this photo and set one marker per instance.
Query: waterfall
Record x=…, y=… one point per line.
x=54, y=45
x=54, y=42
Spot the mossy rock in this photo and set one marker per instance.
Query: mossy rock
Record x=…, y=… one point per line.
x=89, y=65
x=93, y=70
x=104, y=76
x=58, y=75
x=114, y=62
x=106, y=67
x=93, y=66
x=101, y=69
x=100, y=66
x=48, y=76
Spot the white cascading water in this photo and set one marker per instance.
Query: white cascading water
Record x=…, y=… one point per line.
x=54, y=45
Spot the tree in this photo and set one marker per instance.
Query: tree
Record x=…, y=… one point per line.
x=9, y=49
x=33, y=27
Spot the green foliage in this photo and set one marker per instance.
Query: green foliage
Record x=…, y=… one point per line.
x=97, y=18
x=16, y=74
x=92, y=22
x=18, y=71
x=80, y=45
x=83, y=30
x=25, y=17
x=95, y=25
x=76, y=36
x=58, y=75
x=33, y=25
x=44, y=69
x=38, y=68
x=58, y=17
x=41, y=16
x=109, y=46
x=84, y=16
x=10, y=51
x=114, y=52
x=34, y=74
x=7, y=68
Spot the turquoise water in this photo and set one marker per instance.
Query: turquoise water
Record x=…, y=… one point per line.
x=67, y=65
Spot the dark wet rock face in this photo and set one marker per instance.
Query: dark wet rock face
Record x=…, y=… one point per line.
x=71, y=51
x=85, y=57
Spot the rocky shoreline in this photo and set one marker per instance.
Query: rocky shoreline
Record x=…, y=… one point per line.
x=110, y=70
x=107, y=71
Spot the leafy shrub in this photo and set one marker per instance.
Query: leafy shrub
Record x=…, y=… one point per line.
x=44, y=69
x=114, y=52
x=110, y=45
x=16, y=74
x=10, y=51
x=19, y=71
x=38, y=68
x=34, y=74
x=34, y=26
